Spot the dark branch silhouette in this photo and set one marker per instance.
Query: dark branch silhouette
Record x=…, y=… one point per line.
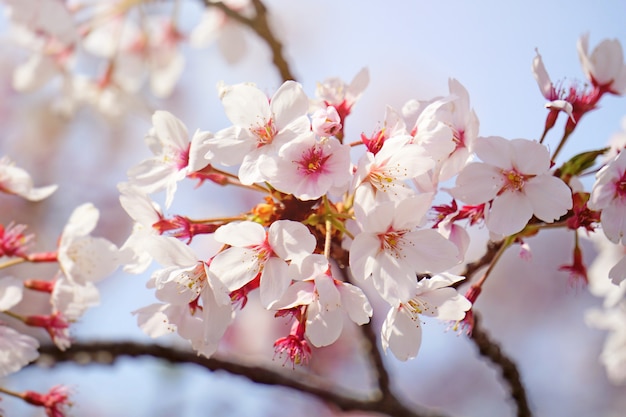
x=107, y=352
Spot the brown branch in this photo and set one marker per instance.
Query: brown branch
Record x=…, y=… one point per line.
x=260, y=25
x=492, y=351
x=108, y=352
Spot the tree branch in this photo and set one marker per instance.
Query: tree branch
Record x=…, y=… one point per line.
x=492, y=351
x=260, y=25
x=108, y=352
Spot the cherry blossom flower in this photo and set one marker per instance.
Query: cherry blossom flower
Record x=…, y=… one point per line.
x=82, y=257
x=402, y=331
x=14, y=180
x=260, y=127
x=605, y=67
x=145, y=214
x=183, y=281
x=391, y=251
x=381, y=177
x=514, y=176
x=326, y=122
x=175, y=156
x=254, y=251
x=72, y=299
x=308, y=168
x=326, y=299
x=609, y=195
x=45, y=17
x=335, y=92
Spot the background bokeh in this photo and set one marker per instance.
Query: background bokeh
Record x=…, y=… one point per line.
x=411, y=49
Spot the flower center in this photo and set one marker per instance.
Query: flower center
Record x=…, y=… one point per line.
x=513, y=180
x=264, y=134
x=312, y=161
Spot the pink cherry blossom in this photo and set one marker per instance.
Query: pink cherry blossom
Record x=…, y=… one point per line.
x=514, y=176
x=308, y=168
x=254, y=251
x=609, y=195
x=260, y=126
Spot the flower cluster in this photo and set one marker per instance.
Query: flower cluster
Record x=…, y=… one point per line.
x=134, y=43
x=333, y=227
x=82, y=261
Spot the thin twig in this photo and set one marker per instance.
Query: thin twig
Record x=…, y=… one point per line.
x=260, y=25
x=492, y=351
x=108, y=352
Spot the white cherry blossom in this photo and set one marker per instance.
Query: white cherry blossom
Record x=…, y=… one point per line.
x=605, y=67
x=327, y=300
x=82, y=257
x=254, y=251
x=175, y=156
x=15, y=180
x=391, y=251
x=515, y=177
x=609, y=195
x=402, y=331
x=260, y=126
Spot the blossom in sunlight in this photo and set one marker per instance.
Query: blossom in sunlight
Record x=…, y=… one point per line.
x=402, y=331
x=515, y=177
x=260, y=126
x=327, y=300
x=381, y=177
x=391, y=249
x=308, y=168
x=255, y=251
x=182, y=284
x=609, y=195
x=14, y=180
x=16, y=350
x=342, y=96
x=175, y=156
x=605, y=67
x=82, y=257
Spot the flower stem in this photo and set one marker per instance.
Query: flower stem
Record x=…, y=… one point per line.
x=507, y=242
x=12, y=262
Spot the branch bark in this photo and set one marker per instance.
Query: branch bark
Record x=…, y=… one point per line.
x=492, y=351
x=108, y=352
x=260, y=25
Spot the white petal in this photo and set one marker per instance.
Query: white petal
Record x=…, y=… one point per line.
x=235, y=267
x=11, y=290
x=509, y=213
x=170, y=130
x=323, y=327
x=401, y=334
x=275, y=280
x=290, y=240
x=477, y=183
x=550, y=197
x=241, y=234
